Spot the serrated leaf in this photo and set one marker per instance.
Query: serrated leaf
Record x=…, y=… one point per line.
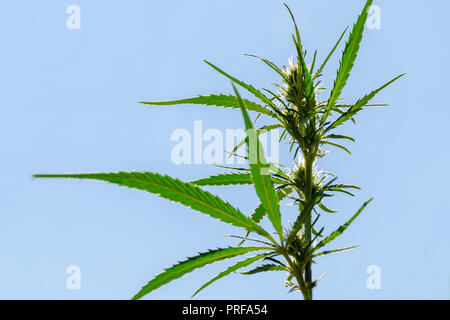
x=225, y=179
x=175, y=190
x=265, y=268
x=237, y=266
x=342, y=228
x=323, y=253
x=244, y=85
x=191, y=264
x=260, y=211
x=348, y=59
x=272, y=65
x=359, y=105
x=319, y=71
x=220, y=100
x=263, y=183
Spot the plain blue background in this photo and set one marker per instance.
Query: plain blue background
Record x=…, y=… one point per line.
x=68, y=104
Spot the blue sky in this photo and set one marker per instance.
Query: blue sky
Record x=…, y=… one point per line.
x=68, y=103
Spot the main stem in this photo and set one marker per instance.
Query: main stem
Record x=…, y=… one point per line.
x=308, y=197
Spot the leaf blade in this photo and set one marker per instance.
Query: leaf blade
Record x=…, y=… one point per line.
x=260, y=211
x=265, y=268
x=359, y=105
x=348, y=59
x=337, y=145
x=237, y=266
x=323, y=253
x=244, y=85
x=175, y=190
x=225, y=179
x=220, y=100
x=342, y=228
x=263, y=183
x=319, y=71
x=190, y=265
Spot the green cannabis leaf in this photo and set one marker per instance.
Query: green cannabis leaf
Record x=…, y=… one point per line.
x=307, y=125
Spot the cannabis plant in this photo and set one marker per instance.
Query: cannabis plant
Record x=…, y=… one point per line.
x=308, y=125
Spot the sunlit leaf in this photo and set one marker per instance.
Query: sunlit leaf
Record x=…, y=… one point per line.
x=263, y=183
x=248, y=87
x=342, y=228
x=359, y=105
x=348, y=59
x=175, y=190
x=220, y=100
x=237, y=266
x=225, y=179
x=191, y=264
x=323, y=253
x=265, y=268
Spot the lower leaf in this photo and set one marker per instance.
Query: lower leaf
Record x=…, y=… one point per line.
x=191, y=264
x=237, y=266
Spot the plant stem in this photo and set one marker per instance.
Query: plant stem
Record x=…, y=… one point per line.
x=308, y=197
